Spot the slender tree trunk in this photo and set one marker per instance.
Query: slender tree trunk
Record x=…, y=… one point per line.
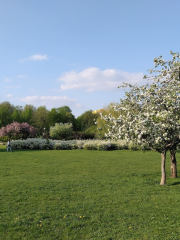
x=173, y=164
x=163, y=170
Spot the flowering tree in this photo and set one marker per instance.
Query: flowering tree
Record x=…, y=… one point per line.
x=22, y=130
x=151, y=113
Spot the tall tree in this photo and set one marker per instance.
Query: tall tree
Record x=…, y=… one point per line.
x=86, y=120
x=156, y=123
x=61, y=115
x=17, y=114
x=6, y=111
x=27, y=113
x=66, y=114
x=54, y=117
x=40, y=120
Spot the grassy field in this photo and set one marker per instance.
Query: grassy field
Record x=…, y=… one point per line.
x=79, y=194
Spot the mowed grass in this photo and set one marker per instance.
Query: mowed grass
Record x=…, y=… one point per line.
x=79, y=194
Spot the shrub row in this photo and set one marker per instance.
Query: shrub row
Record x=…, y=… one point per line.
x=32, y=143
x=102, y=145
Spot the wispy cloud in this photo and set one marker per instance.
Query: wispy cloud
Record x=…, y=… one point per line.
x=36, y=57
x=12, y=86
x=9, y=95
x=21, y=76
x=92, y=79
x=50, y=101
x=78, y=105
x=7, y=79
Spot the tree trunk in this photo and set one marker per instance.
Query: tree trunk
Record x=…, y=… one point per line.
x=163, y=171
x=173, y=164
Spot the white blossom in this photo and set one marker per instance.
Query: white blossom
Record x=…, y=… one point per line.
x=150, y=113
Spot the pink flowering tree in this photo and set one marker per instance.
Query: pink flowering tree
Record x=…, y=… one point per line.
x=21, y=130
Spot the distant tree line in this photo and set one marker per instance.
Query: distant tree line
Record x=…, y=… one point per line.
x=42, y=119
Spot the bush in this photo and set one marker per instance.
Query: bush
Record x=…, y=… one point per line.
x=90, y=146
x=133, y=147
x=104, y=145
x=32, y=143
x=63, y=146
x=82, y=135
x=61, y=131
x=101, y=145
x=4, y=139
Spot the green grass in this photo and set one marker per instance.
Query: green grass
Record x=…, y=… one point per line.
x=79, y=194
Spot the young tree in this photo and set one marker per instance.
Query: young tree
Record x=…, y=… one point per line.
x=151, y=112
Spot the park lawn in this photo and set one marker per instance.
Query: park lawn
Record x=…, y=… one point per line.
x=80, y=194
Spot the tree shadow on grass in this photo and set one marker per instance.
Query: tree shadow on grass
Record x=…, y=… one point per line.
x=26, y=150
x=3, y=150
x=19, y=150
x=176, y=183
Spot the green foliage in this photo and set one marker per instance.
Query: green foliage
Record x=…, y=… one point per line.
x=101, y=126
x=27, y=113
x=16, y=116
x=61, y=115
x=54, y=117
x=91, y=129
x=33, y=143
x=66, y=115
x=65, y=145
x=103, y=145
x=6, y=111
x=132, y=146
x=90, y=146
x=82, y=135
x=40, y=119
x=61, y=130
x=40, y=143
x=4, y=139
x=86, y=120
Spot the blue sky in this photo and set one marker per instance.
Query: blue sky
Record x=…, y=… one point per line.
x=77, y=52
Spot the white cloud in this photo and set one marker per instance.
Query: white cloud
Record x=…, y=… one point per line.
x=49, y=101
x=93, y=79
x=78, y=105
x=12, y=86
x=7, y=79
x=9, y=95
x=21, y=76
x=36, y=57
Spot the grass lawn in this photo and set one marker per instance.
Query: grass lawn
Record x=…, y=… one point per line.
x=79, y=194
